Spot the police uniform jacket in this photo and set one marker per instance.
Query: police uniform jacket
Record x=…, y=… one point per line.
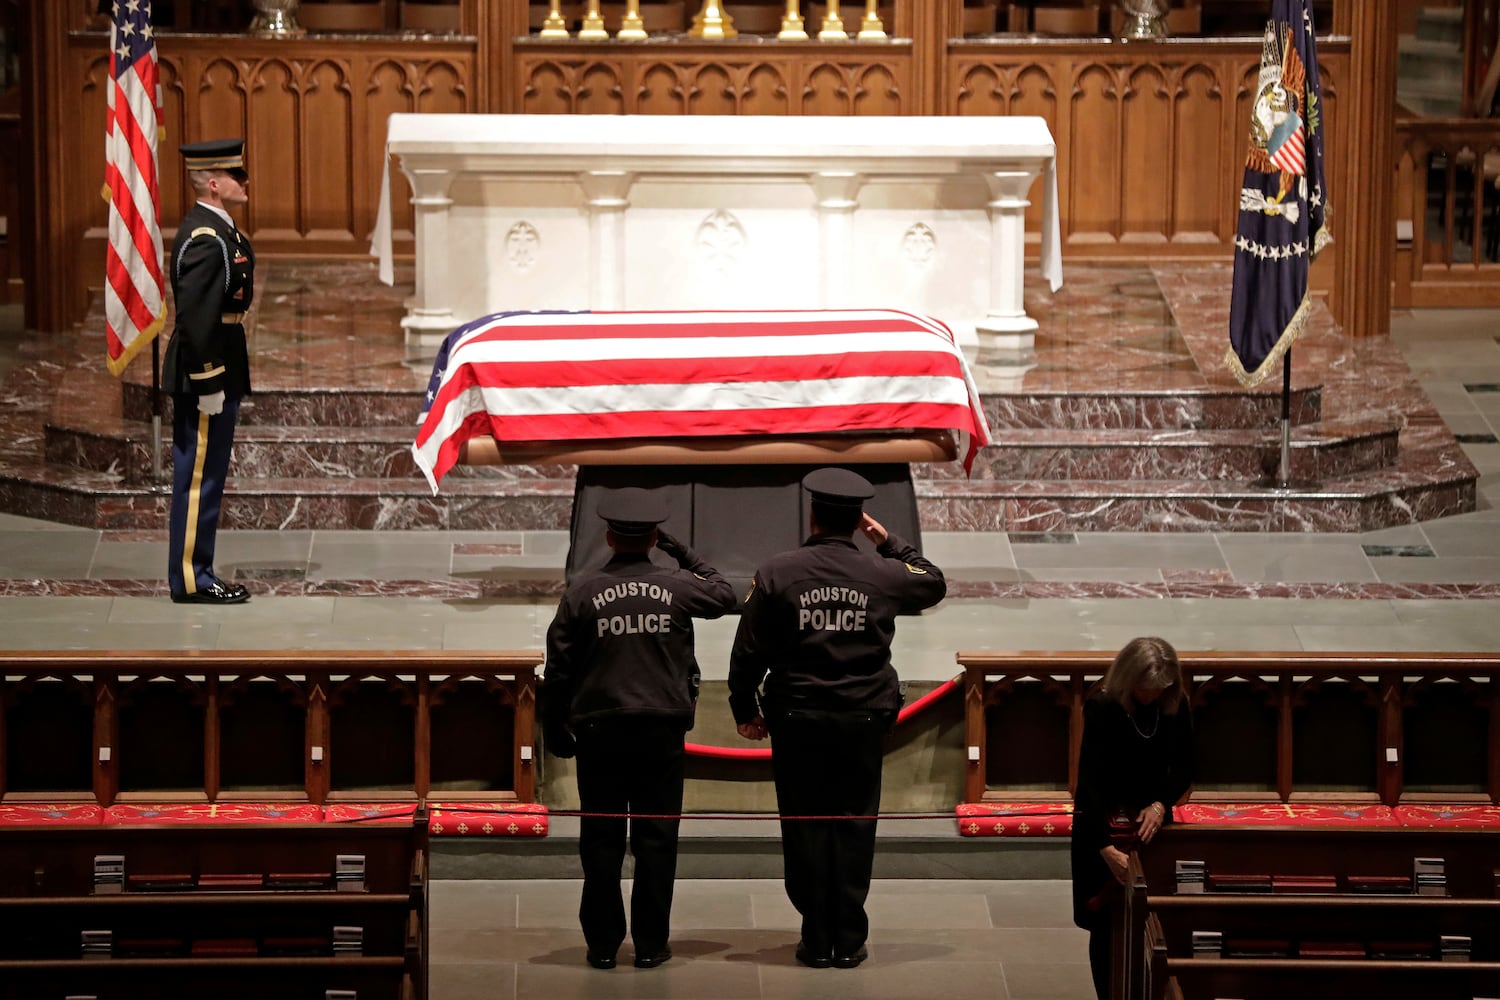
x=213, y=275
x=622, y=641
x=818, y=624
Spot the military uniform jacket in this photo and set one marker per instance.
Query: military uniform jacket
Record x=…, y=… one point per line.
x=818, y=624
x=213, y=274
x=622, y=641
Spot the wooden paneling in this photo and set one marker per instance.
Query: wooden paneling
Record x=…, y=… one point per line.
x=312, y=113
x=708, y=79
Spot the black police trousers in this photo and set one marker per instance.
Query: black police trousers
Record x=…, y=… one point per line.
x=828, y=763
x=628, y=765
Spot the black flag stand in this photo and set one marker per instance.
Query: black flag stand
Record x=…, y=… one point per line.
x=1282, y=478
x=158, y=481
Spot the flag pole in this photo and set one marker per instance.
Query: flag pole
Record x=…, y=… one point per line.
x=156, y=471
x=1284, y=470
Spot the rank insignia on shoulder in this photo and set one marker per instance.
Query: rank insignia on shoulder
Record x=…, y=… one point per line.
x=915, y=569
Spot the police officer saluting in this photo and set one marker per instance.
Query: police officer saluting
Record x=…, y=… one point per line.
x=207, y=364
x=817, y=627
x=620, y=689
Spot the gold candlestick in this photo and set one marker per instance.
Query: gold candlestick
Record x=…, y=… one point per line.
x=870, y=28
x=593, y=24
x=713, y=22
x=792, y=28
x=554, y=26
x=632, y=28
x=833, y=25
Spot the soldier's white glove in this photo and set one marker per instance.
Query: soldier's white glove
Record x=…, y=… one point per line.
x=212, y=404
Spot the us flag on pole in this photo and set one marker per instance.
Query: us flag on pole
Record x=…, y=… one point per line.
x=134, y=288
x=1283, y=199
x=613, y=375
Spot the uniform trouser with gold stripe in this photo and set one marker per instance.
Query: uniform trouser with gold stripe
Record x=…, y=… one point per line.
x=200, y=462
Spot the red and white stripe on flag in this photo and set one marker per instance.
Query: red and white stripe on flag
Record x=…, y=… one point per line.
x=1291, y=155
x=134, y=287
x=606, y=376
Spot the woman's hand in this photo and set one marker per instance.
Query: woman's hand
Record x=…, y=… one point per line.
x=1117, y=861
x=755, y=729
x=1151, y=819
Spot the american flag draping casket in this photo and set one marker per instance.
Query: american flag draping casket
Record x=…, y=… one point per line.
x=615, y=376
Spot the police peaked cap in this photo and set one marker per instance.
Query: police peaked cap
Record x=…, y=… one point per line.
x=838, y=487
x=632, y=511
x=214, y=154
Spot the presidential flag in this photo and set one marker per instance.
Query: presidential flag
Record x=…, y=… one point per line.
x=1283, y=199
x=134, y=287
x=608, y=376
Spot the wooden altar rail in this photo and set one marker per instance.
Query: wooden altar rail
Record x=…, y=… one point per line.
x=1373, y=727
x=293, y=726
x=1154, y=955
x=1448, y=212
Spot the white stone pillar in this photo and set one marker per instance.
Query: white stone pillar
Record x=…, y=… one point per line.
x=1006, y=323
x=837, y=193
x=429, y=316
x=607, y=193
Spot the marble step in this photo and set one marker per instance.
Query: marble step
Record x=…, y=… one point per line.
x=1441, y=24
x=103, y=444
x=1364, y=502
x=1121, y=407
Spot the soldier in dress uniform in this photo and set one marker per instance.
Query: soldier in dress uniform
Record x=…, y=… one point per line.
x=621, y=689
x=817, y=628
x=207, y=366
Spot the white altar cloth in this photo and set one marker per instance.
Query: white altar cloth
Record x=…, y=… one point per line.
x=604, y=212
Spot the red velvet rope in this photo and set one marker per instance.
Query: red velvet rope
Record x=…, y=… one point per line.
x=764, y=753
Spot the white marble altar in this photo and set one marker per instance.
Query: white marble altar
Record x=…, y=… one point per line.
x=925, y=214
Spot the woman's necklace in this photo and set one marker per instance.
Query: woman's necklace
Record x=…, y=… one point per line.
x=1155, y=725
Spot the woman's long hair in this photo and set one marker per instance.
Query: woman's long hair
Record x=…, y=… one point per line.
x=1150, y=663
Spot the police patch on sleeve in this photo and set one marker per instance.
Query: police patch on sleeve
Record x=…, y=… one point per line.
x=915, y=569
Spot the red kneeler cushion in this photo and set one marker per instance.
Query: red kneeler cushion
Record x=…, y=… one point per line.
x=211, y=813
x=502, y=819
x=1015, y=819
x=1440, y=815
x=1286, y=814
x=51, y=814
x=369, y=812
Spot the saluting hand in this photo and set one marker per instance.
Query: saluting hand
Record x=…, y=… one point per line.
x=873, y=529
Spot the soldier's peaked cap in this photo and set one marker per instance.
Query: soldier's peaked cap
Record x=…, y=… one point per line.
x=632, y=511
x=214, y=154
x=838, y=487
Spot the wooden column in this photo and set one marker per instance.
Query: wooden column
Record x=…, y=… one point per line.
x=44, y=209
x=497, y=25
x=929, y=24
x=1364, y=217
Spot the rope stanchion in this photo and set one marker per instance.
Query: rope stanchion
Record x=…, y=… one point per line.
x=764, y=753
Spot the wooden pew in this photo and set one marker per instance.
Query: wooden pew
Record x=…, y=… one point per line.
x=1387, y=728
x=1332, y=940
x=233, y=911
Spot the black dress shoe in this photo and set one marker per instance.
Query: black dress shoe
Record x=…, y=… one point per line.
x=850, y=961
x=217, y=592
x=810, y=958
x=653, y=959
x=601, y=961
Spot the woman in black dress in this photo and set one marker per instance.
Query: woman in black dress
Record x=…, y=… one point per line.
x=1136, y=762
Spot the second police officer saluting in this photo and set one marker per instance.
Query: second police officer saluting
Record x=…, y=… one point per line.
x=620, y=690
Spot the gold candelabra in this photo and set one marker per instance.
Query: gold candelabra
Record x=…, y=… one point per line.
x=792, y=27
x=871, y=29
x=713, y=22
x=833, y=25
x=554, y=26
x=632, y=28
x=593, y=24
